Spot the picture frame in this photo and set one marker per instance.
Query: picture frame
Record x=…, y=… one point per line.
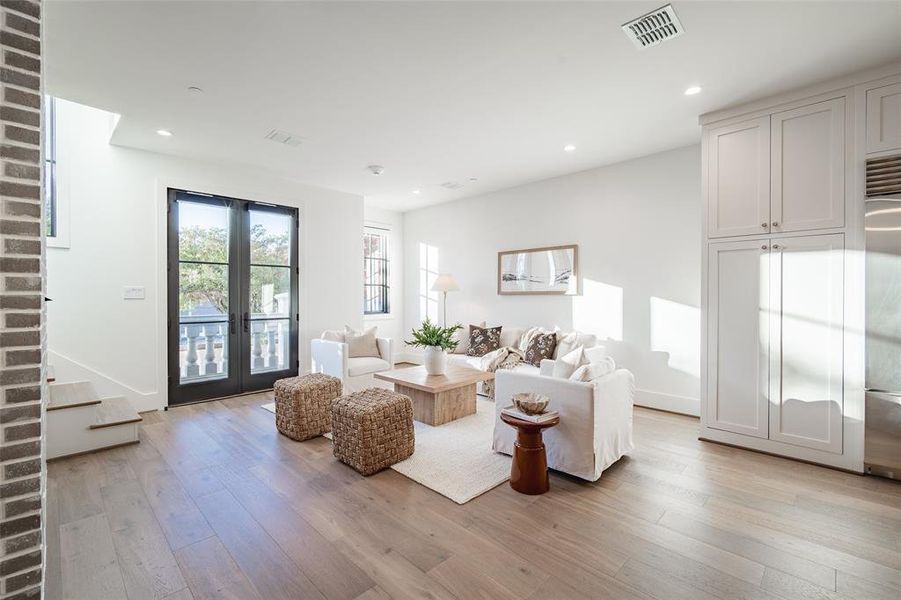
x=545, y=271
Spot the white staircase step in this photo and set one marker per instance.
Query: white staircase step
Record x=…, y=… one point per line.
x=88, y=422
x=115, y=411
x=72, y=395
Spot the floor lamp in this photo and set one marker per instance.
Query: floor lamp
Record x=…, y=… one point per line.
x=445, y=283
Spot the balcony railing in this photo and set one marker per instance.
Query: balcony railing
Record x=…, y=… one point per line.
x=203, y=347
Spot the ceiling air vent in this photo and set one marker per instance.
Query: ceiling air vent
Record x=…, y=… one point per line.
x=283, y=137
x=655, y=27
x=451, y=185
x=884, y=176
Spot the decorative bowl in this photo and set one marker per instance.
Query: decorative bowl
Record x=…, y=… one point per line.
x=530, y=404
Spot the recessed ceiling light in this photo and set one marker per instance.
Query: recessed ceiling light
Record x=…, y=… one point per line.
x=473, y=178
x=164, y=132
x=195, y=90
x=695, y=89
x=416, y=192
x=569, y=148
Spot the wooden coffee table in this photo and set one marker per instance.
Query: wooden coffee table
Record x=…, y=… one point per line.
x=528, y=473
x=438, y=399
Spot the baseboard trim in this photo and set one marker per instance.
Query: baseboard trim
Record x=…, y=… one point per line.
x=802, y=460
x=681, y=405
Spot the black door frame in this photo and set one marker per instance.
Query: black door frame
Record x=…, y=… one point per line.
x=240, y=379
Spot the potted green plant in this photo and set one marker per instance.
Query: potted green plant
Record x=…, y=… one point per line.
x=436, y=341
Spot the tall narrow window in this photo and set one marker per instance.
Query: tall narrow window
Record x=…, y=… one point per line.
x=376, y=287
x=51, y=227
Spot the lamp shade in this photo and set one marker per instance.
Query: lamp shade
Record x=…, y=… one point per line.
x=445, y=283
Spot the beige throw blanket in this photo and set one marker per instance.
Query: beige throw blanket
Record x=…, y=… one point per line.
x=502, y=358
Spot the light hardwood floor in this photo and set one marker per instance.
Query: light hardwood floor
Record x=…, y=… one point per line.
x=213, y=503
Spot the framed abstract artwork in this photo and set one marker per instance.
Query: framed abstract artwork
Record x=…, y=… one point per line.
x=553, y=270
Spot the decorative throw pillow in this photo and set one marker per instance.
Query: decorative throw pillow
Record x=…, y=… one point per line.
x=541, y=346
x=361, y=343
x=568, y=363
x=483, y=340
x=333, y=335
x=462, y=339
x=528, y=335
x=567, y=342
x=592, y=371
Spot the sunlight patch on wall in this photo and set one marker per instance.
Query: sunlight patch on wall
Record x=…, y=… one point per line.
x=599, y=310
x=676, y=330
x=428, y=272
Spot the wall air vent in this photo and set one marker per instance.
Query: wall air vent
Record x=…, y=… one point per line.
x=655, y=27
x=884, y=176
x=451, y=185
x=283, y=137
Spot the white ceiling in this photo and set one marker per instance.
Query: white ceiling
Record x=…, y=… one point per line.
x=439, y=91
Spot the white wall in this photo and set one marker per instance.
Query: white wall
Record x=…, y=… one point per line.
x=392, y=325
x=638, y=227
x=117, y=229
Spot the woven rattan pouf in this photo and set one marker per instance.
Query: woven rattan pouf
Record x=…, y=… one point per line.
x=302, y=405
x=372, y=429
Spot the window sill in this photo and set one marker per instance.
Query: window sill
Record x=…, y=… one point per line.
x=58, y=242
x=378, y=317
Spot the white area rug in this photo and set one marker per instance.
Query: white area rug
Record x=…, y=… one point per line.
x=455, y=459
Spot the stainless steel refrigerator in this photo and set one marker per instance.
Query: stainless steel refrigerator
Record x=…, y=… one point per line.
x=882, y=454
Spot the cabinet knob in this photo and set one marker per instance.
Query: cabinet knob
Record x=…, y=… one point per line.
x=764, y=225
x=763, y=247
x=775, y=223
x=776, y=246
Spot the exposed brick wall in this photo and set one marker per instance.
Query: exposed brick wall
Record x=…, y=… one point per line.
x=22, y=336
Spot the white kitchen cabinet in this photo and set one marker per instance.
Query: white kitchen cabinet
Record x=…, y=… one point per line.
x=738, y=181
x=884, y=118
x=775, y=339
x=808, y=167
x=806, y=341
x=738, y=329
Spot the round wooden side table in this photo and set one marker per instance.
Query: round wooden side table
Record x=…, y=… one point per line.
x=528, y=474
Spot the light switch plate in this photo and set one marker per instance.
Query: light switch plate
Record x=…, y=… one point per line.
x=133, y=292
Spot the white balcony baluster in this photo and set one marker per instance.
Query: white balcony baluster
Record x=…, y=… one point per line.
x=210, y=333
x=284, y=332
x=192, y=369
x=271, y=328
x=256, y=333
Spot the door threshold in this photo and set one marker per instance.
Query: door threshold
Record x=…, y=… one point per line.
x=191, y=402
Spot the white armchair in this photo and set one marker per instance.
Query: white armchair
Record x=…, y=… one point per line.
x=331, y=357
x=595, y=427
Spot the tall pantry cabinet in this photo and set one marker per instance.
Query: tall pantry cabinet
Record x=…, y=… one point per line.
x=782, y=366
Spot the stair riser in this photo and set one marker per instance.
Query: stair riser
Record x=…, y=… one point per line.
x=68, y=432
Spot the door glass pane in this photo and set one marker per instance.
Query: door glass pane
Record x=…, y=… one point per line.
x=269, y=345
x=202, y=232
x=202, y=291
x=270, y=291
x=203, y=283
x=270, y=238
x=203, y=351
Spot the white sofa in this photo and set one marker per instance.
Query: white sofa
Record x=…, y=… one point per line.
x=595, y=427
x=511, y=336
x=329, y=355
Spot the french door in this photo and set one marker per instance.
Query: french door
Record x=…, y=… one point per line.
x=232, y=283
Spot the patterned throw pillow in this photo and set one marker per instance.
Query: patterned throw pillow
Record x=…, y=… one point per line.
x=483, y=340
x=541, y=346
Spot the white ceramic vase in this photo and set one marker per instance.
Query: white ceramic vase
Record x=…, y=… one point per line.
x=435, y=360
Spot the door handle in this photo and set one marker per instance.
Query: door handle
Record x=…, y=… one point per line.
x=246, y=320
x=231, y=323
